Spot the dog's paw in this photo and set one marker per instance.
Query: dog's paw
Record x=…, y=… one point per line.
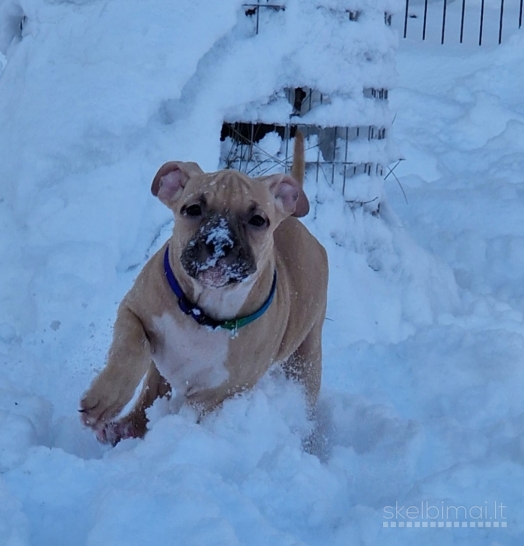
x=114, y=431
x=98, y=407
x=100, y=410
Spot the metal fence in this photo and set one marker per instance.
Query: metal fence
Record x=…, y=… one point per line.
x=259, y=142
x=472, y=21
x=242, y=149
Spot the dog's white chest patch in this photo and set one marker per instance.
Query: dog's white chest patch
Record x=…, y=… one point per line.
x=190, y=358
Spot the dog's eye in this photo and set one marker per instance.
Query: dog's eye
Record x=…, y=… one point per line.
x=192, y=210
x=258, y=221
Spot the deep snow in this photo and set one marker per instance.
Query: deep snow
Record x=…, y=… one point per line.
x=423, y=367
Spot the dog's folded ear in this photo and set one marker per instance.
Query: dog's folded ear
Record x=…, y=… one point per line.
x=302, y=207
x=171, y=179
x=289, y=194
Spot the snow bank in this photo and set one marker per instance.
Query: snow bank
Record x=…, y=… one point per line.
x=424, y=339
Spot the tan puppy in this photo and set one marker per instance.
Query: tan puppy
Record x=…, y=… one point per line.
x=239, y=285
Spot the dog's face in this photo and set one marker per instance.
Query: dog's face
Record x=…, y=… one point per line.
x=224, y=221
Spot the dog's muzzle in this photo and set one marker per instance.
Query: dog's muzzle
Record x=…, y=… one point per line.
x=218, y=254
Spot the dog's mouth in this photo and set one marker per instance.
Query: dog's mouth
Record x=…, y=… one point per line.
x=220, y=275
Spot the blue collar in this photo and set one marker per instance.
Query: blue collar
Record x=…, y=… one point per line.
x=199, y=316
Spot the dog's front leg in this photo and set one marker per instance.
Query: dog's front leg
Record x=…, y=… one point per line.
x=128, y=360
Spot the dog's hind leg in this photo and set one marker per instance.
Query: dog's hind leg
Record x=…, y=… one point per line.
x=305, y=364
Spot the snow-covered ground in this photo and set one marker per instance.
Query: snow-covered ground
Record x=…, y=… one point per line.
x=422, y=406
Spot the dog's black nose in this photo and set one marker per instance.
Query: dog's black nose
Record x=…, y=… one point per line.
x=221, y=250
x=214, y=250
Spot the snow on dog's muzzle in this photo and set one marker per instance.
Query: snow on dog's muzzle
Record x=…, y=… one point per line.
x=218, y=254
